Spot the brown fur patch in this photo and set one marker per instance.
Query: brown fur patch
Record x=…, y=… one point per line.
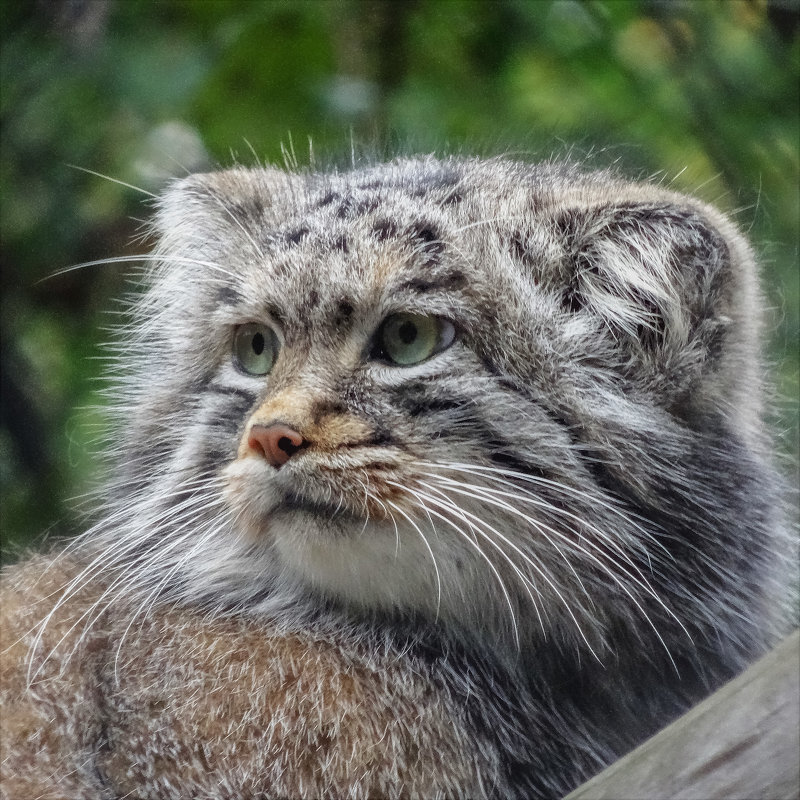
x=225, y=707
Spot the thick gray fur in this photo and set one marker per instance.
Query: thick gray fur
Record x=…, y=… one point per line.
x=568, y=520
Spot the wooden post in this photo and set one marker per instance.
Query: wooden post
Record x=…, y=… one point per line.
x=742, y=743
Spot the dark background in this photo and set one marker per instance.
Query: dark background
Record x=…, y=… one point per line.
x=702, y=95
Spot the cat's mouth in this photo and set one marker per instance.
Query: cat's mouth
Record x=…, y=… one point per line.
x=294, y=503
x=323, y=500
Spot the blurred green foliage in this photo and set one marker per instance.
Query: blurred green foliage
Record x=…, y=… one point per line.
x=703, y=95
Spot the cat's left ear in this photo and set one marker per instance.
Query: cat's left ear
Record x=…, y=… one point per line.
x=662, y=275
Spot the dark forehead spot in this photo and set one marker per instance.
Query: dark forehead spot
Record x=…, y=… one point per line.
x=352, y=207
x=228, y=295
x=344, y=208
x=296, y=236
x=329, y=198
x=252, y=210
x=384, y=229
x=344, y=310
x=452, y=280
x=283, y=269
x=566, y=225
x=423, y=231
x=427, y=240
x=521, y=248
x=340, y=243
x=313, y=298
x=345, y=306
x=437, y=181
x=453, y=197
x=365, y=206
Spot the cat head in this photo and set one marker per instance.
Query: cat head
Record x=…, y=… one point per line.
x=484, y=392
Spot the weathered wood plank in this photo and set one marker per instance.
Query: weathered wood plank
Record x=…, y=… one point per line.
x=742, y=743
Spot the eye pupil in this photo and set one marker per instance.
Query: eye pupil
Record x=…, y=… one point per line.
x=258, y=343
x=407, y=332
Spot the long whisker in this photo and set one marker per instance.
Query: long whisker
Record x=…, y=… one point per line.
x=430, y=551
x=627, y=517
x=114, y=180
x=132, y=540
x=639, y=578
x=474, y=525
x=477, y=548
x=146, y=604
x=528, y=560
x=490, y=496
x=144, y=258
x=597, y=561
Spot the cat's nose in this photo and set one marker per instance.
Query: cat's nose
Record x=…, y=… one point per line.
x=276, y=443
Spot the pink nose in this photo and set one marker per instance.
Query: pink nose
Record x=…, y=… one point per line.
x=276, y=443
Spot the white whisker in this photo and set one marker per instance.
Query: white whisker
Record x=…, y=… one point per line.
x=430, y=551
x=480, y=524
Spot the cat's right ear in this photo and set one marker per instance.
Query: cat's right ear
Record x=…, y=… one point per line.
x=208, y=205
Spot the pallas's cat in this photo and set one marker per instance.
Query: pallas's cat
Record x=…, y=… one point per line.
x=431, y=478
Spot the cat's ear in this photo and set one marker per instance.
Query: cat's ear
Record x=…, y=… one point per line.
x=204, y=204
x=662, y=275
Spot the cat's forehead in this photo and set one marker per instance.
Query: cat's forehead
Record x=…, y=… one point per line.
x=420, y=236
x=332, y=218
x=351, y=240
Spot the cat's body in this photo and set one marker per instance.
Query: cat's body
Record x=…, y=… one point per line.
x=492, y=430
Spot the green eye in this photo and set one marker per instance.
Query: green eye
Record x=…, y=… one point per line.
x=255, y=348
x=406, y=339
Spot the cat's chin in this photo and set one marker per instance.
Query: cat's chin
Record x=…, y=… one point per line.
x=331, y=549
x=366, y=564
